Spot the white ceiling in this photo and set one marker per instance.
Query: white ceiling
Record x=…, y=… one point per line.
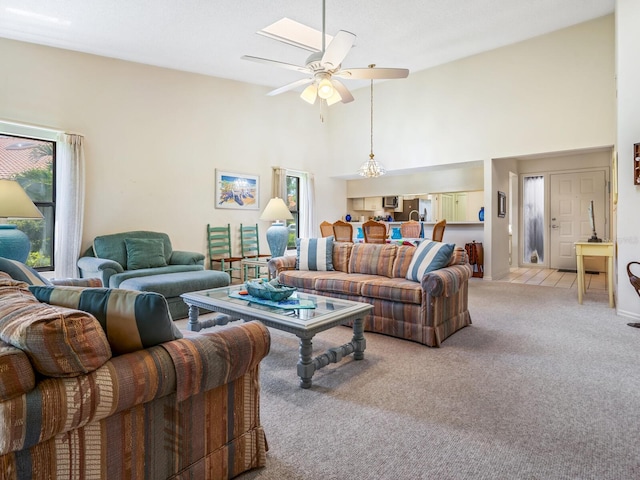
x=210, y=36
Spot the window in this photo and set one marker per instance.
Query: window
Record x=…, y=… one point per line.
x=293, y=202
x=533, y=219
x=31, y=162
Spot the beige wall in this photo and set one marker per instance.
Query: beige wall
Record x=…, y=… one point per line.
x=628, y=221
x=154, y=138
x=547, y=94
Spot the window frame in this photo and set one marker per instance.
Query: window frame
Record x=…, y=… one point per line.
x=43, y=206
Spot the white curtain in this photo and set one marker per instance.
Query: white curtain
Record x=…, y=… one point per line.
x=307, y=216
x=307, y=206
x=69, y=204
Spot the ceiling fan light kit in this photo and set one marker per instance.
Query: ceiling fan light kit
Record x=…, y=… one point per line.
x=322, y=66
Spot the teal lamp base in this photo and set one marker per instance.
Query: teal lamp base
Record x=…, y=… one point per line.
x=277, y=238
x=14, y=244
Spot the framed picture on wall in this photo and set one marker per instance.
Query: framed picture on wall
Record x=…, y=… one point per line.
x=237, y=191
x=502, y=204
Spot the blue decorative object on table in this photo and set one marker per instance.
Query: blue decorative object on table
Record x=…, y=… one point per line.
x=271, y=290
x=15, y=203
x=481, y=214
x=360, y=233
x=347, y=217
x=395, y=233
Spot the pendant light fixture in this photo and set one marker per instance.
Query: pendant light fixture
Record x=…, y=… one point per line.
x=370, y=168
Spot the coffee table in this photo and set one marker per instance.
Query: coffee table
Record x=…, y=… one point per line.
x=302, y=322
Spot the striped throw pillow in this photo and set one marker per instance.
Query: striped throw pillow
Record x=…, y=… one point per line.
x=314, y=253
x=429, y=256
x=19, y=271
x=132, y=320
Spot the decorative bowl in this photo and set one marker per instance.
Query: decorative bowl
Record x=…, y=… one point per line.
x=272, y=290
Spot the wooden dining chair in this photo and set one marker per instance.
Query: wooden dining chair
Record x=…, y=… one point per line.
x=410, y=229
x=374, y=232
x=219, y=245
x=342, y=231
x=326, y=229
x=438, y=231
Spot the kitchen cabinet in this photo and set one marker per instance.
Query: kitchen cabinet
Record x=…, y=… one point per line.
x=372, y=203
x=368, y=204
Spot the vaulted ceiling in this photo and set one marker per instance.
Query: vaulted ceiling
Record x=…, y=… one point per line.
x=210, y=36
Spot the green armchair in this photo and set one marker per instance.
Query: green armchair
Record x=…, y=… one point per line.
x=121, y=256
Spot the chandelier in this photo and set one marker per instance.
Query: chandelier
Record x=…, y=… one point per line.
x=370, y=168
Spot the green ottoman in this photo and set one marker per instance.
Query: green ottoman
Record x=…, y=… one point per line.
x=172, y=285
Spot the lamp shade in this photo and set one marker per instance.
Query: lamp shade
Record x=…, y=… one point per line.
x=15, y=203
x=277, y=234
x=276, y=209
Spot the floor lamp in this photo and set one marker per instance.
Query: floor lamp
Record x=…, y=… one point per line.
x=277, y=234
x=15, y=203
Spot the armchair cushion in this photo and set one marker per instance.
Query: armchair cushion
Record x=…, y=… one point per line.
x=113, y=247
x=429, y=256
x=60, y=342
x=144, y=253
x=132, y=320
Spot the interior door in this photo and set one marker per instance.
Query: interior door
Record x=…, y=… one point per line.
x=447, y=207
x=569, y=200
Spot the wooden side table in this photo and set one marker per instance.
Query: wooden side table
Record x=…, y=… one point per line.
x=593, y=249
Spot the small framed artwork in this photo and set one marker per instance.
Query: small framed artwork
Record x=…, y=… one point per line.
x=237, y=191
x=502, y=204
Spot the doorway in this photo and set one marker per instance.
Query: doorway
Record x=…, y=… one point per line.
x=570, y=195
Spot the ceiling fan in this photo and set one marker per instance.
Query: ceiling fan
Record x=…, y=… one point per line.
x=324, y=67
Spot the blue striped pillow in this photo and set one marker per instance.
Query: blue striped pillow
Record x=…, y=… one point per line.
x=314, y=253
x=429, y=256
x=132, y=320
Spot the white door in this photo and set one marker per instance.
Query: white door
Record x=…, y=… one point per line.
x=447, y=208
x=569, y=200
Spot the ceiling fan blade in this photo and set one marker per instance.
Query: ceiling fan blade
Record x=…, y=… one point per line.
x=275, y=63
x=372, y=73
x=345, y=94
x=294, y=33
x=338, y=48
x=290, y=86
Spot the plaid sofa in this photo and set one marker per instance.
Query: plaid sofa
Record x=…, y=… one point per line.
x=120, y=393
x=427, y=311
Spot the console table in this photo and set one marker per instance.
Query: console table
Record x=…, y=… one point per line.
x=593, y=249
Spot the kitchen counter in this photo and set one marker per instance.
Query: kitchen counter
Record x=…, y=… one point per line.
x=459, y=233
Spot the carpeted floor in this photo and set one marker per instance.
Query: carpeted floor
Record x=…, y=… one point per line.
x=538, y=387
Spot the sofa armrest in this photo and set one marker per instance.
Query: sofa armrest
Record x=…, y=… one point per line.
x=279, y=264
x=187, y=366
x=446, y=282
x=227, y=354
x=179, y=257
x=102, y=268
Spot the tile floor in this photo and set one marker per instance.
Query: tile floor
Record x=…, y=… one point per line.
x=552, y=278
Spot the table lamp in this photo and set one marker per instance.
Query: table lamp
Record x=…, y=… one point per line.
x=15, y=203
x=277, y=234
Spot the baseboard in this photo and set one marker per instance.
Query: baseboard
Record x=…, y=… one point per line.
x=631, y=315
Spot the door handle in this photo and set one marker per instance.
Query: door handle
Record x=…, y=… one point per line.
x=555, y=226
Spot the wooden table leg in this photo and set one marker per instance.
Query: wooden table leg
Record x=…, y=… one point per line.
x=580, y=260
